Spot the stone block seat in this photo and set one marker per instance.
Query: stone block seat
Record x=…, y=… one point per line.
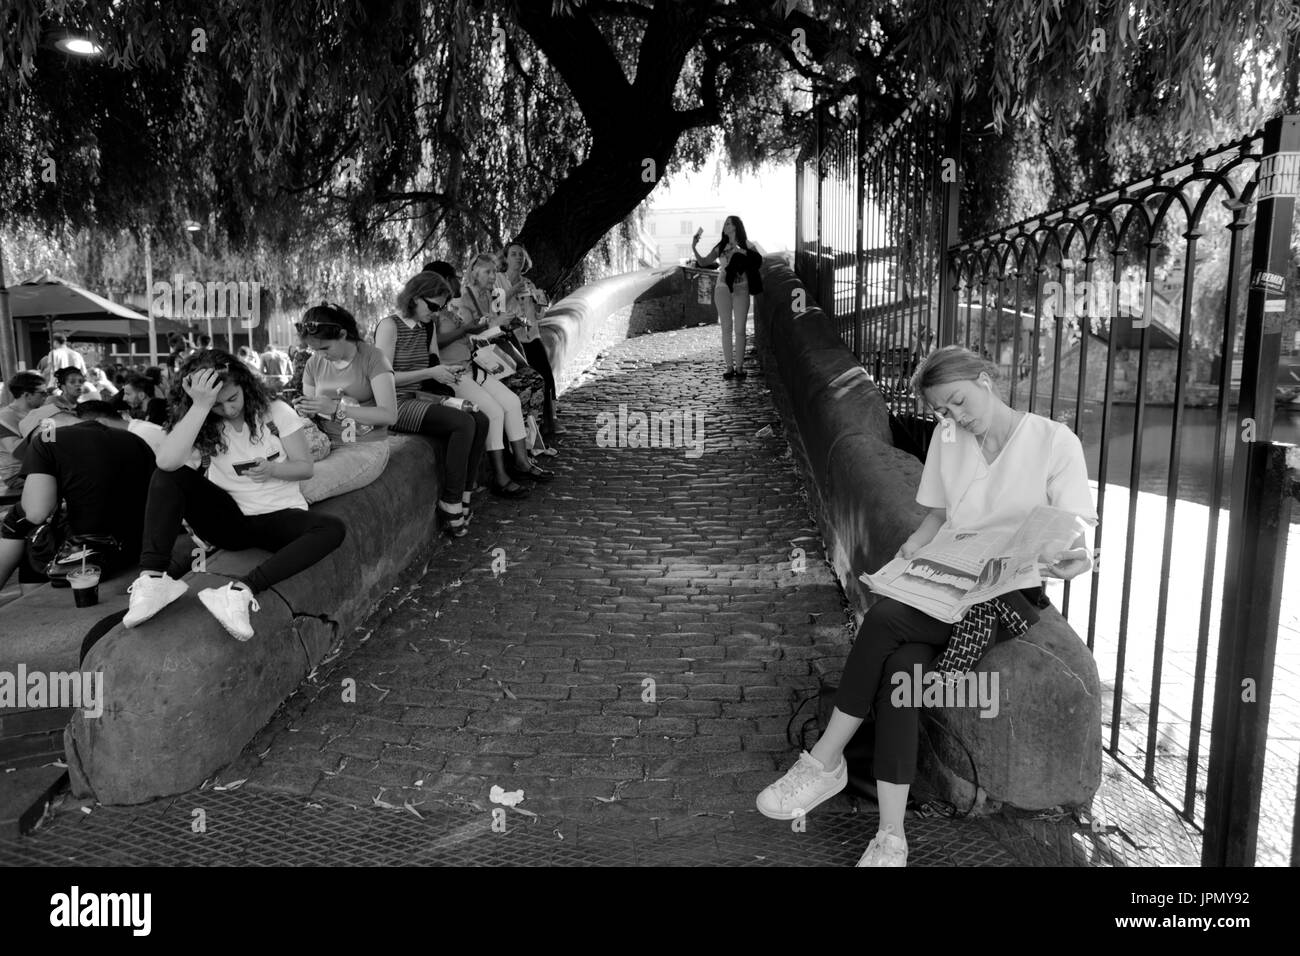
x=1043, y=747
x=182, y=696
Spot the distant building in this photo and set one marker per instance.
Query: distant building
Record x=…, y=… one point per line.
x=634, y=253
x=672, y=227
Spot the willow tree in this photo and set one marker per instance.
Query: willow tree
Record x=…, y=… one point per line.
x=408, y=126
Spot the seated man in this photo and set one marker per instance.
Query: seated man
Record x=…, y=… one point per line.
x=27, y=391
x=99, y=469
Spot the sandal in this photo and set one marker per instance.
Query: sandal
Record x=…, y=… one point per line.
x=533, y=471
x=512, y=490
x=729, y=373
x=454, y=525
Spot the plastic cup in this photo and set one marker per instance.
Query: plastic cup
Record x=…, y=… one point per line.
x=85, y=586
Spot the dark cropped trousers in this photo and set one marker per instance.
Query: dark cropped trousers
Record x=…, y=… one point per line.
x=893, y=638
x=296, y=538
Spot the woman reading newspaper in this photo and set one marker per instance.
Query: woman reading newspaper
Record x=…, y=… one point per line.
x=988, y=468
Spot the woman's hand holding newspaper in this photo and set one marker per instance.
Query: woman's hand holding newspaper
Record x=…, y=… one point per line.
x=1066, y=564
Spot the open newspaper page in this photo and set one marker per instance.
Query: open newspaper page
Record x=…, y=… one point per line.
x=959, y=569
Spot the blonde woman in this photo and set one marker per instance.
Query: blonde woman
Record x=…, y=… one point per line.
x=521, y=309
x=1002, y=464
x=470, y=315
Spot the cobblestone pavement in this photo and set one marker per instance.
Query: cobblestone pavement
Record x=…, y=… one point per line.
x=625, y=642
x=522, y=658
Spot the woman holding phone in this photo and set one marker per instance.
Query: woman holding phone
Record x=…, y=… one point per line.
x=230, y=466
x=423, y=387
x=738, y=264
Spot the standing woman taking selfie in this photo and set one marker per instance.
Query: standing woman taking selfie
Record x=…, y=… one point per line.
x=738, y=278
x=230, y=465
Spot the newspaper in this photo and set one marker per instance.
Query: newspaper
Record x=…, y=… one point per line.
x=960, y=569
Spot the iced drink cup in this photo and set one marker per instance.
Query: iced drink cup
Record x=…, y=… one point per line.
x=85, y=586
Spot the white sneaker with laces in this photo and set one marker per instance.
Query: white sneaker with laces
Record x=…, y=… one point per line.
x=230, y=605
x=149, y=595
x=806, y=785
x=887, y=849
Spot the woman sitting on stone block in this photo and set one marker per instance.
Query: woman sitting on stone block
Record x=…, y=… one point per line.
x=987, y=468
x=471, y=315
x=423, y=386
x=230, y=467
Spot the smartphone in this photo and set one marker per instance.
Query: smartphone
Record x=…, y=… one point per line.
x=241, y=467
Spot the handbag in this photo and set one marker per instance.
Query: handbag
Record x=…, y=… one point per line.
x=494, y=362
x=54, y=552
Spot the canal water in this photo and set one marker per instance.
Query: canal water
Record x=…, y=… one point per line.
x=1196, y=454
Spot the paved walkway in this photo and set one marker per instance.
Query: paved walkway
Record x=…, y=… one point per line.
x=523, y=658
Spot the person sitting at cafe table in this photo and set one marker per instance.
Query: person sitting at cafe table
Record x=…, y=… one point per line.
x=100, y=471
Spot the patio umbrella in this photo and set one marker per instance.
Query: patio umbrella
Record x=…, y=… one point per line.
x=51, y=297
x=114, y=328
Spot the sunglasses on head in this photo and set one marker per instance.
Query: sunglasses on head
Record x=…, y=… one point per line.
x=313, y=327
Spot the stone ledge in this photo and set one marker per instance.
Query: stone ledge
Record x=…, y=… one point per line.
x=1043, y=749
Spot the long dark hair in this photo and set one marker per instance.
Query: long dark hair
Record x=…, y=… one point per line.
x=742, y=237
x=257, y=401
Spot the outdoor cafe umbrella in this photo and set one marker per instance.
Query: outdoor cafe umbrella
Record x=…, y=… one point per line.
x=81, y=311
x=49, y=297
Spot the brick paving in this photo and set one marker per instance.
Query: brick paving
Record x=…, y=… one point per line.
x=636, y=565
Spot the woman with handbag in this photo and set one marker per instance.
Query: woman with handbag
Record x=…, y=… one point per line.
x=230, y=467
x=738, y=264
x=521, y=307
x=987, y=474
x=481, y=298
x=423, y=387
x=457, y=327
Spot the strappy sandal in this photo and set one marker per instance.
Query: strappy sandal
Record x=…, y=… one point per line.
x=512, y=490
x=533, y=472
x=453, y=525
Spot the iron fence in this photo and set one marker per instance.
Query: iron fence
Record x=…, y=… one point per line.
x=1121, y=316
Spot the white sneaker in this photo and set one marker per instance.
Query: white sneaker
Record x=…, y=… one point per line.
x=149, y=595
x=887, y=849
x=805, y=786
x=230, y=606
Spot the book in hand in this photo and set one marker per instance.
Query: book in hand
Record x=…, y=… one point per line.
x=959, y=569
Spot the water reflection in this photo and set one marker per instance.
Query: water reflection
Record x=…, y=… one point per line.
x=1196, y=454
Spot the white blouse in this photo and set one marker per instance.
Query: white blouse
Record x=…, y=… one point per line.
x=1042, y=463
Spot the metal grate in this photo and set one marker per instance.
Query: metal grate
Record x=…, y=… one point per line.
x=252, y=828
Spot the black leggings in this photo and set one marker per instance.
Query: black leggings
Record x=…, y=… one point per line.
x=893, y=638
x=467, y=435
x=297, y=538
x=535, y=352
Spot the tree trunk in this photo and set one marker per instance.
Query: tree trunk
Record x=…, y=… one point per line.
x=595, y=197
x=635, y=127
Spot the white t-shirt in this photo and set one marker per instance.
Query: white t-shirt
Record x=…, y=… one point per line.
x=1042, y=463
x=255, y=498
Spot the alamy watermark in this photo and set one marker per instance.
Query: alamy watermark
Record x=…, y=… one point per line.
x=935, y=689
x=1100, y=298
x=663, y=428
x=179, y=299
x=78, y=689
